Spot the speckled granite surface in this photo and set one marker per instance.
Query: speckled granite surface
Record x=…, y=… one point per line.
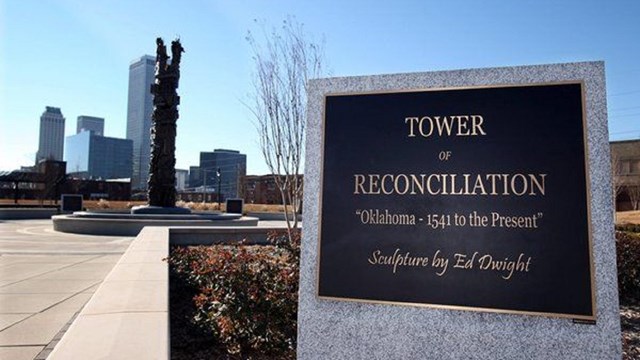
x=347, y=330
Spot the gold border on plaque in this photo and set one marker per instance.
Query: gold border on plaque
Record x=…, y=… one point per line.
x=585, y=137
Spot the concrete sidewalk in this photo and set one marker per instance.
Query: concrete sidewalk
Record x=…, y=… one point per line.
x=45, y=279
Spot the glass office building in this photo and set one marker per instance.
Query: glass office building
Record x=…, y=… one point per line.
x=232, y=166
x=98, y=157
x=182, y=177
x=195, y=179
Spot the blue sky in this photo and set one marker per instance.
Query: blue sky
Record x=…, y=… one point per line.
x=74, y=54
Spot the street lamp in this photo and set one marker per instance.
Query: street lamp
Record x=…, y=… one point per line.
x=204, y=184
x=219, y=181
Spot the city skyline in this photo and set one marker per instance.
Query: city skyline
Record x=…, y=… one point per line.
x=74, y=55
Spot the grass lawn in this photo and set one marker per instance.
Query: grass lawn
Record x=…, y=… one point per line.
x=632, y=217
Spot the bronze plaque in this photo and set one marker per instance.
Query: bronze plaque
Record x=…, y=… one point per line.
x=463, y=198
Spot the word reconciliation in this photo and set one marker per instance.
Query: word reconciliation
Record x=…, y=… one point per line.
x=450, y=184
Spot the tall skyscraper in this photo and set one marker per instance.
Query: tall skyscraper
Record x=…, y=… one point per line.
x=89, y=155
x=139, y=109
x=90, y=123
x=51, y=144
x=229, y=165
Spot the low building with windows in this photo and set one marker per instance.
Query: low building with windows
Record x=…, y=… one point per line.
x=48, y=181
x=260, y=189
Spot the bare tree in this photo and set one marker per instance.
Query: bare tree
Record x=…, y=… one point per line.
x=616, y=172
x=634, y=195
x=284, y=61
x=617, y=180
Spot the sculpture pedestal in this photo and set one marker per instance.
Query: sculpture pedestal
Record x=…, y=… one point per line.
x=149, y=209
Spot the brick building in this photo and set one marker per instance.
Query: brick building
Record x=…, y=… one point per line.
x=625, y=165
x=260, y=189
x=48, y=181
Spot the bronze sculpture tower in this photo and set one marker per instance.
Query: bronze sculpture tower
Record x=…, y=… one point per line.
x=162, y=173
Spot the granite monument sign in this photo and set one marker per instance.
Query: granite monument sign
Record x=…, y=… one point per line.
x=459, y=214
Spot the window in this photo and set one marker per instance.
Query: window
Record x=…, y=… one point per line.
x=624, y=167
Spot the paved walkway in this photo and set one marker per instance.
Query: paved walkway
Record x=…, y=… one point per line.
x=45, y=279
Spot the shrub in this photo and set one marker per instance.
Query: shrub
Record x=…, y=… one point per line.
x=103, y=204
x=263, y=208
x=199, y=206
x=628, y=227
x=628, y=259
x=248, y=295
